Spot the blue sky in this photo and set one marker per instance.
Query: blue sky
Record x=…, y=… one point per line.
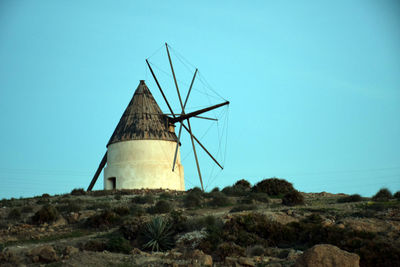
x=314, y=87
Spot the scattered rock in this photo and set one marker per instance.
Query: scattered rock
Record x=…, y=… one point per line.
x=70, y=250
x=60, y=222
x=325, y=255
x=201, y=258
x=44, y=254
x=246, y=261
x=73, y=217
x=137, y=251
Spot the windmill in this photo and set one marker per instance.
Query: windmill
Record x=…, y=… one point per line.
x=144, y=144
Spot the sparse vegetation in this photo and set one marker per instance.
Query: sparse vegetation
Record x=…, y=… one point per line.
x=397, y=195
x=275, y=231
x=382, y=195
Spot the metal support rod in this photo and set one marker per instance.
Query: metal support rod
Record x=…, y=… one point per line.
x=180, y=126
x=99, y=169
x=183, y=112
x=197, y=140
x=198, y=112
x=159, y=87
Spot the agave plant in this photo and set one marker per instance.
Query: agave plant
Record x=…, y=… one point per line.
x=157, y=235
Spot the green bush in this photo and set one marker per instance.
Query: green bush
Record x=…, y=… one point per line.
x=166, y=196
x=121, y=210
x=70, y=206
x=46, y=214
x=252, y=197
x=156, y=235
x=94, y=245
x=382, y=195
x=78, y=192
x=235, y=191
x=131, y=229
x=193, y=200
x=14, y=214
x=215, y=189
x=229, y=249
x=27, y=209
x=256, y=250
x=145, y=199
x=293, y=198
x=351, y=198
x=118, y=244
x=397, y=195
x=195, y=190
x=273, y=187
x=137, y=210
x=105, y=219
x=45, y=195
x=243, y=183
x=219, y=200
x=162, y=206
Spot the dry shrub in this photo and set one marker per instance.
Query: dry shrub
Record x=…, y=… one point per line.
x=193, y=199
x=46, y=214
x=293, y=198
x=243, y=183
x=162, y=206
x=229, y=249
x=14, y=214
x=382, y=195
x=351, y=198
x=219, y=200
x=273, y=187
x=94, y=245
x=105, y=219
x=78, y=192
x=145, y=199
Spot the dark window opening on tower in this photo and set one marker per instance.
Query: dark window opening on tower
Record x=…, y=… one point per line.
x=113, y=182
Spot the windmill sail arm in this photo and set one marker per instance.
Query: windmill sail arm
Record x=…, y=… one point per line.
x=99, y=169
x=202, y=146
x=196, y=113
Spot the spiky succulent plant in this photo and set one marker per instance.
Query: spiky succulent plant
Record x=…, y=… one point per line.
x=157, y=235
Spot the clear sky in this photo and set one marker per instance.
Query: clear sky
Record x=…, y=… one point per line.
x=314, y=87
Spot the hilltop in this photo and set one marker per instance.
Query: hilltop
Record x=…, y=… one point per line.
x=268, y=224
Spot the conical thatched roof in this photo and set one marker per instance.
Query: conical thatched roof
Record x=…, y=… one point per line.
x=142, y=119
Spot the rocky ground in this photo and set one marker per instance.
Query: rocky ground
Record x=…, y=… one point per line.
x=230, y=228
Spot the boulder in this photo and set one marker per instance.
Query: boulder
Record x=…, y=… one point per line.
x=325, y=255
x=44, y=254
x=199, y=257
x=70, y=250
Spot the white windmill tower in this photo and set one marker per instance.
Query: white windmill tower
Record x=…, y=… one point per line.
x=144, y=144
